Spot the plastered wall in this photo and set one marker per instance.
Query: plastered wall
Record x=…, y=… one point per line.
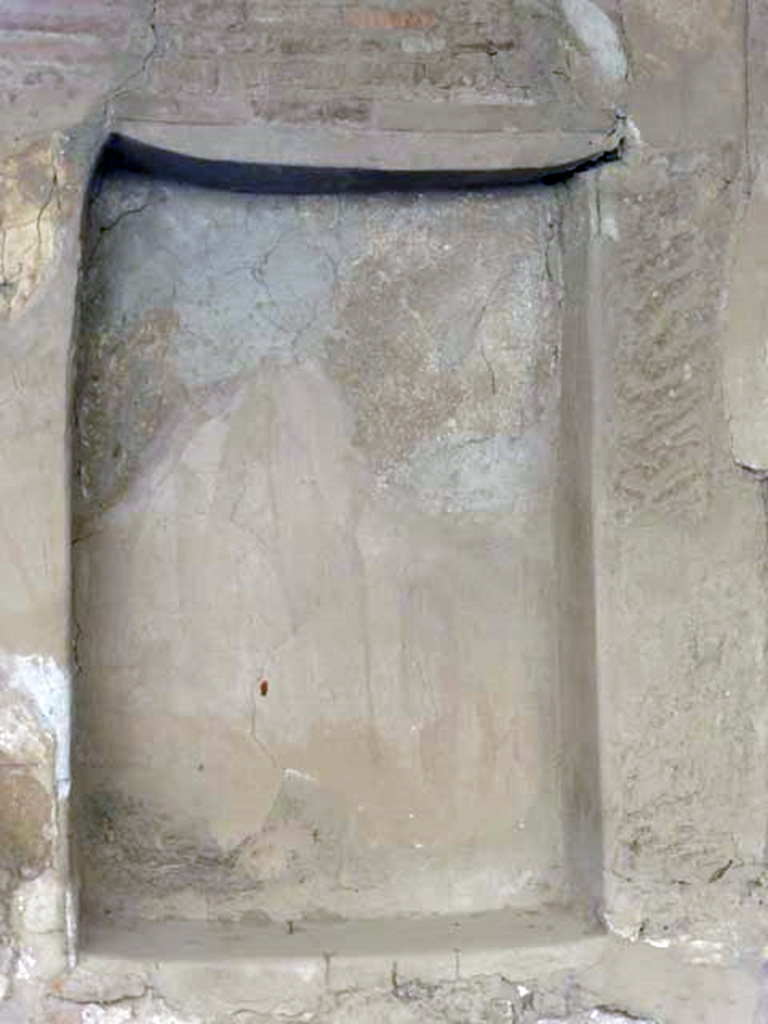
x=673, y=293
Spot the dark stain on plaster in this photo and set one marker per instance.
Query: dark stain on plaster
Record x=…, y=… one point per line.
x=125, y=843
x=128, y=847
x=125, y=395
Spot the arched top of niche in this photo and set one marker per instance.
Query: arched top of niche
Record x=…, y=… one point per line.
x=372, y=84
x=448, y=85
x=249, y=171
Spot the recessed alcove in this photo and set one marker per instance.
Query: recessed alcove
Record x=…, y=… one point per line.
x=332, y=567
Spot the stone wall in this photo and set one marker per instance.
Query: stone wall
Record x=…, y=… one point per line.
x=676, y=323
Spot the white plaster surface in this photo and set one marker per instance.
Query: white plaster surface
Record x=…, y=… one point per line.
x=48, y=687
x=598, y=33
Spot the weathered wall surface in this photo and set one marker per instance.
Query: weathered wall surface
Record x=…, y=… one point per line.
x=313, y=564
x=681, y=619
x=676, y=312
x=378, y=84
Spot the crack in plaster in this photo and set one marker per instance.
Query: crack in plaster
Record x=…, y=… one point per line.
x=27, y=228
x=749, y=176
x=146, y=60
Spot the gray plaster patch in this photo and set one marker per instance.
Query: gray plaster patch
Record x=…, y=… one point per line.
x=187, y=290
x=477, y=474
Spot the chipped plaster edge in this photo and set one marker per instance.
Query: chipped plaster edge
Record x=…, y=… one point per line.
x=48, y=689
x=48, y=686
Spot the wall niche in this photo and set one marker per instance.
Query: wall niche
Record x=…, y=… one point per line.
x=332, y=556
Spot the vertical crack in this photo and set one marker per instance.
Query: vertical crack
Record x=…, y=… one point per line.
x=146, y=60
x=487, y=362
x=152, y=52
x=254, y=730
x=747, y=100
x=763, y=485
x=51, y=195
